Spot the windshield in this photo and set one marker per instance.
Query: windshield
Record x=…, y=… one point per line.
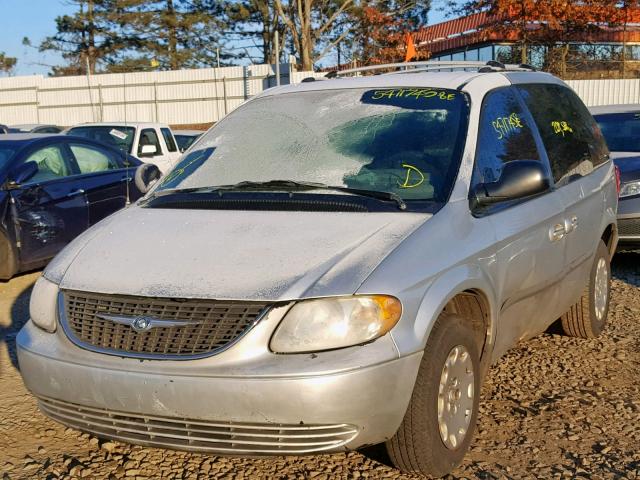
x=114, y=136
x=406, y=141
x=5, y=156
x=185, y=141
x=621, y=131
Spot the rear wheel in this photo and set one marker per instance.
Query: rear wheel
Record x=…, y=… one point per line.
x=438, y=426
x=587, y=318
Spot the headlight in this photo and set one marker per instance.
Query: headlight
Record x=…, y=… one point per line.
x=631, y=188
x=328, y=323
x=43, y=304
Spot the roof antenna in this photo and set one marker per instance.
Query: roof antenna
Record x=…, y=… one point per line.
x=126, y=153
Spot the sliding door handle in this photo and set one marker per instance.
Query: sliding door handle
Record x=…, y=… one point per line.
x=557, y=232
x=571, y=223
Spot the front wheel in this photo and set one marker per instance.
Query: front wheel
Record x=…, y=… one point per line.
x=438, y=426
x=587, y=318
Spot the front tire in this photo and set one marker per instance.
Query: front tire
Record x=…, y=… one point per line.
x=439, y=422
x=588, y=317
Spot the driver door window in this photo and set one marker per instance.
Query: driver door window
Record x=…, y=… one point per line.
x=148, y=136
x=51, y=164
x=504, y=135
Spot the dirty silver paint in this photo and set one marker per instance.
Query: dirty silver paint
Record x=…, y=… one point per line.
x=423, y=260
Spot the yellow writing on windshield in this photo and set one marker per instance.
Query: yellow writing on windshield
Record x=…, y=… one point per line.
x=179, y=171
x=415, y=93
x=409, y=182
x=561, y=127
x=506, y=125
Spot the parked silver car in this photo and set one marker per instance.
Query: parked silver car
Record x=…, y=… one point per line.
x=335, y=264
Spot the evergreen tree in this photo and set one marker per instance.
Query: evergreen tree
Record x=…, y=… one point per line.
x=7, y=63
x=256, y=21
x=171, y=34
x=85, y=39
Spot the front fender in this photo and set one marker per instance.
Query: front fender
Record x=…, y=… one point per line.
x=412, y=333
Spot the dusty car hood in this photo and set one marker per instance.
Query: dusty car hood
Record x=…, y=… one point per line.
x=231, y=254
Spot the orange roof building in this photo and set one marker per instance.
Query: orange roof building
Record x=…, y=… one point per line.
x=483, y=36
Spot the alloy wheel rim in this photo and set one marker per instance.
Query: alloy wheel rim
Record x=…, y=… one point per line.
x=455, y=397
x=601, y=289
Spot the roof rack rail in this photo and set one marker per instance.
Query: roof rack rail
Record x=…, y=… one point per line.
x=431, y=65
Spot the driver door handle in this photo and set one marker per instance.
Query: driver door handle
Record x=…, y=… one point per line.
x=75, y=193
x=557, y=232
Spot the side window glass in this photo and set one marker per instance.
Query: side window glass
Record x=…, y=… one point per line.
x=51, y=164
x=503, y=136
x=91, y=159
x=148, y=136
x=168, y=139
x=572, y=138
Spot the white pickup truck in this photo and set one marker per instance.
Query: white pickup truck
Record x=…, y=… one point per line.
x=150, y=142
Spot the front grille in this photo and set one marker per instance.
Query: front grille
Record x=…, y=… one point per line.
x=209, y=325
x=200, y=435
x=628, y=226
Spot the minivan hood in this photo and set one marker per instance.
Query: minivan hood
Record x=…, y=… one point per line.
x=223, y=254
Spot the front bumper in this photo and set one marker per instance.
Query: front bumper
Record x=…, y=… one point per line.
x=629, y=223
x=268, y=404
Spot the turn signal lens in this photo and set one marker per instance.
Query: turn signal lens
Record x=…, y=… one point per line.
x=43, y=304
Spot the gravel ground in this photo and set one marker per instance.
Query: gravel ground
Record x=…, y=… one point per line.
x=554, y=407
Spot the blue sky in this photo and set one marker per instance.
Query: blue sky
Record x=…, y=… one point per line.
x=36, y=20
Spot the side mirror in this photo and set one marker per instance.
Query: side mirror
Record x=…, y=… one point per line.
x=146, y=177
x=148, y=150
x=519, y=179
x=23, y=173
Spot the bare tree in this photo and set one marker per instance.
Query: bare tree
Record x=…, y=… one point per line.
x=310, y=24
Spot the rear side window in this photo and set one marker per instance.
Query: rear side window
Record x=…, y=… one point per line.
x=572, y=138
x=168, y=139
x=504, y=135
x=621, y=130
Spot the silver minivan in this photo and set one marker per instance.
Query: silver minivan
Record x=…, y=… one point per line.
x=335, y=264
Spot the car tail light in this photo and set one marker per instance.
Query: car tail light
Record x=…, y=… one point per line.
x=617, y=178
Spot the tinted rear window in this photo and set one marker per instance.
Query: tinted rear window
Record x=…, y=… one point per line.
x=572, y=138
x=621, y=130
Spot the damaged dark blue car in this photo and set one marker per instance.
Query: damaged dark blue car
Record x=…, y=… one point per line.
x=53, y=187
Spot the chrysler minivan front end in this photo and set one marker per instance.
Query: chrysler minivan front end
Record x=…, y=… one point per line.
x=224, y=312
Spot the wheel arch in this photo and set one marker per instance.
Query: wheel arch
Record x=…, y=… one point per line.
x=610, y=238
x=465, y=290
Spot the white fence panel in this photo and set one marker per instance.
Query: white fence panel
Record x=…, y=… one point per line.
x=174, y=97
x=607, y=92
x=187, y=96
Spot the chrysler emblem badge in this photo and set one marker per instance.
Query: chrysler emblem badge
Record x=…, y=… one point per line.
x=141, y=324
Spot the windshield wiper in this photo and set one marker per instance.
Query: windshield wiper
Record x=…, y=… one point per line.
x=292, y=184
x=286, y=185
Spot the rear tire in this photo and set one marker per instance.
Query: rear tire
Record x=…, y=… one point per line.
x=439, y=422
x=588, y=317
